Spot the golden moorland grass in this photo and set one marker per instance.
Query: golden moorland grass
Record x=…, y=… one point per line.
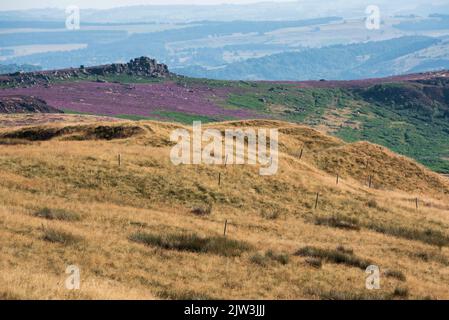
x=136, y=231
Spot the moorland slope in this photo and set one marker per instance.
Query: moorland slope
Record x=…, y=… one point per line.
x=144, y=228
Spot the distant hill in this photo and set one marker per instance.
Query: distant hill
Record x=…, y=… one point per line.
x=344, y=62
x=331, y=47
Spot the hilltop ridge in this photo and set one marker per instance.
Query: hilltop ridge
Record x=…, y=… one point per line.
x=148, y=67
x=143, y=66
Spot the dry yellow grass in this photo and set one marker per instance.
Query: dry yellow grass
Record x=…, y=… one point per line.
x=75, y=169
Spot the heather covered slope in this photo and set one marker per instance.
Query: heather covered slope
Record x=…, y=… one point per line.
x=408, y=114
x=137, y=229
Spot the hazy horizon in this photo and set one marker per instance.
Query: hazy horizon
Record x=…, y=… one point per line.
x=110, y=4
x=337, y=6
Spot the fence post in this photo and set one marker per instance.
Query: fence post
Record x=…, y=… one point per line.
x=225, y=227
x=337, y=177
x=316, y=200
x=219, y=178
x=119, y=159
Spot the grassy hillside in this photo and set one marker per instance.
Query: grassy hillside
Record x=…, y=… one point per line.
x=150, y=230
x=409, y=117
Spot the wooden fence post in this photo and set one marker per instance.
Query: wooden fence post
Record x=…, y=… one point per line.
x=300, y=154
x=416, y=202
x=337, y=177
x=119, y=159
x=219, y=178
x=225, y=227
x=316, y=200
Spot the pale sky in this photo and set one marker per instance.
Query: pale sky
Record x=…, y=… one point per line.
x=101, y=4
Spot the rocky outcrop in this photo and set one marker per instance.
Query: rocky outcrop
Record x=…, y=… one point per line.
x=25, y=104
x=141, y=67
